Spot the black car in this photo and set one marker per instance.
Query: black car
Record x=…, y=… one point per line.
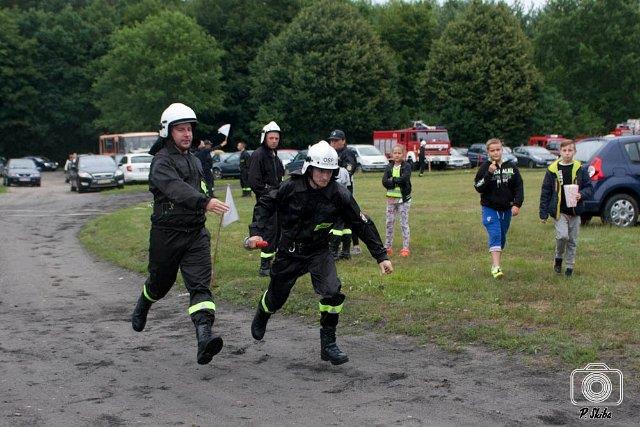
x=43, y=163
x=227, y=165
x=21, y=172
x=296, y=162
x=95, y=172
x=533, y=156
x=614, y=168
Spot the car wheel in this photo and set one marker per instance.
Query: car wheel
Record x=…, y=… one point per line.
x=531, y=164
x=585, y=219
x=78, y=187
x=217, y=174
x=621, y=210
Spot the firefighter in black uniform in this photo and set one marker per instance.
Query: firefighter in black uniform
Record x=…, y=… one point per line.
x=308, y=205
x=178, y=237
x=265, y=174
x=347, y=160
x=244, y=168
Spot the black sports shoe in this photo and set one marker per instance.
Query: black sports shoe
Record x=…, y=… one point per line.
x=568, y=272
x=557, y=266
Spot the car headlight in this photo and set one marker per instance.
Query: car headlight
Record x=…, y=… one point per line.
x=84, y=175
x=119, y=172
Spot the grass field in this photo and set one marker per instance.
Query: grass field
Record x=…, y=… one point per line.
x=444, y=293
x=3, y=189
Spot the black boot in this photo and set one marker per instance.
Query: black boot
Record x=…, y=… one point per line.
x=208, y=344
x=329, y=350
x=265, y=266
x=557, y=266
x=259, y=324
x=139, y=317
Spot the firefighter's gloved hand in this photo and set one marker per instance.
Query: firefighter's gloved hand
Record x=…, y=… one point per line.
x=216, y=206
x=386, y=267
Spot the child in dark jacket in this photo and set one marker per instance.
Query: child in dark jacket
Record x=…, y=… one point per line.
x=501, y=195
x=553, y=202
x=397, y=181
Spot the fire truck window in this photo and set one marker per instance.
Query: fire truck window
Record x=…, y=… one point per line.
x=414, y=137
x=108, y=145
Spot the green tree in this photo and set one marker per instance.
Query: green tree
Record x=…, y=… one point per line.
x=166, y=58
x=553, y=114
x=480, y=80
x=327, y=69
x=241, y=27
x=590, y=51
x=19, y=124
x=408, y=28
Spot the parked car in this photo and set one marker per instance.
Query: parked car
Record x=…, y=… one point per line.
x=135, y=167
x=227, y=165
x=369, y=158
x=614, y=168
x=461, y=150
x=95, y=172
x=43, y=163
x=296, y=163
x=458, y=160
x=286, y=155
x=477, y=154
x=534, y=156
x=21, y=172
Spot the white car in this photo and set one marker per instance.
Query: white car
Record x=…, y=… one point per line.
x=286, y=155
x=135, y=167
x=369, y=158
x=457, y=160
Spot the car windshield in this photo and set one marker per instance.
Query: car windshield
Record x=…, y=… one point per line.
x=141, y=159
x=22, y=164
x=97, y=162
x=455, y=152
x=369, y=151
x=585, y=150
x=538, y=150
x=286, y=155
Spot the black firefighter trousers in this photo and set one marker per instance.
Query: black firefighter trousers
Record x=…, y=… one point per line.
x=190, y=251
x=291, y=263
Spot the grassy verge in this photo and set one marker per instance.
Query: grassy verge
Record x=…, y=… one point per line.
x=3, y=189
x=443, y=293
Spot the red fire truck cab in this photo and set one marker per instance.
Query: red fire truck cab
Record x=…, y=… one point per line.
x=550, y=142
x=437, y=149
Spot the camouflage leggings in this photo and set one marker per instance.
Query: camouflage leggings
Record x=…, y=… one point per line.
x=394, y=209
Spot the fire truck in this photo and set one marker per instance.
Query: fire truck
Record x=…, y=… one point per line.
x=437, y=149
x=630, y=127
x=122, y=143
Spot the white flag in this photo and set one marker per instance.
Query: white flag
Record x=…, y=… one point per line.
x=224, y=129
x=232, y=214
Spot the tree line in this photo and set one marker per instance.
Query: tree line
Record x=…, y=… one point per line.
x=71, y=70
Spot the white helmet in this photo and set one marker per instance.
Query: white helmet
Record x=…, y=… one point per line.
x=269, y=127
x=322, y=156
x=175, y=114
x=423, y=143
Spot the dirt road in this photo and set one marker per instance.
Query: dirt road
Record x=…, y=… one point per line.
x=68, y=355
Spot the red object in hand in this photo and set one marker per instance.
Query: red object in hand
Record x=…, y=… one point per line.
x=262, y=244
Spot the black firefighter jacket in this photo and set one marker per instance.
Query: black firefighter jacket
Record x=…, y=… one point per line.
x=265, y=170
x=174, y=180
x=305, y=215
x=502, y=189
x=347, y=160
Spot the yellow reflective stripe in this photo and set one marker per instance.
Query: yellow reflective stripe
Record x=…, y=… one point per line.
x=346, y=231
x=323, y=225
x=395, y=172
x=146, y=294
x=330, y=308
x=204, y=305
x=246, y=188
x=264, y=304
x=337, y=232
x=203, y=186
x=267, y=255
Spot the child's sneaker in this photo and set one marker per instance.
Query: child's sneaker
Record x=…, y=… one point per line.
x=496, y=272
x=568, y=272
x=557, y=266
x=405, y=252
x=389, y=251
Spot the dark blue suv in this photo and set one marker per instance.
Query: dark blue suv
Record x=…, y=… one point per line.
x=614, y=168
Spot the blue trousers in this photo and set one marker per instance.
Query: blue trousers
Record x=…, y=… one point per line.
x=497, y=225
